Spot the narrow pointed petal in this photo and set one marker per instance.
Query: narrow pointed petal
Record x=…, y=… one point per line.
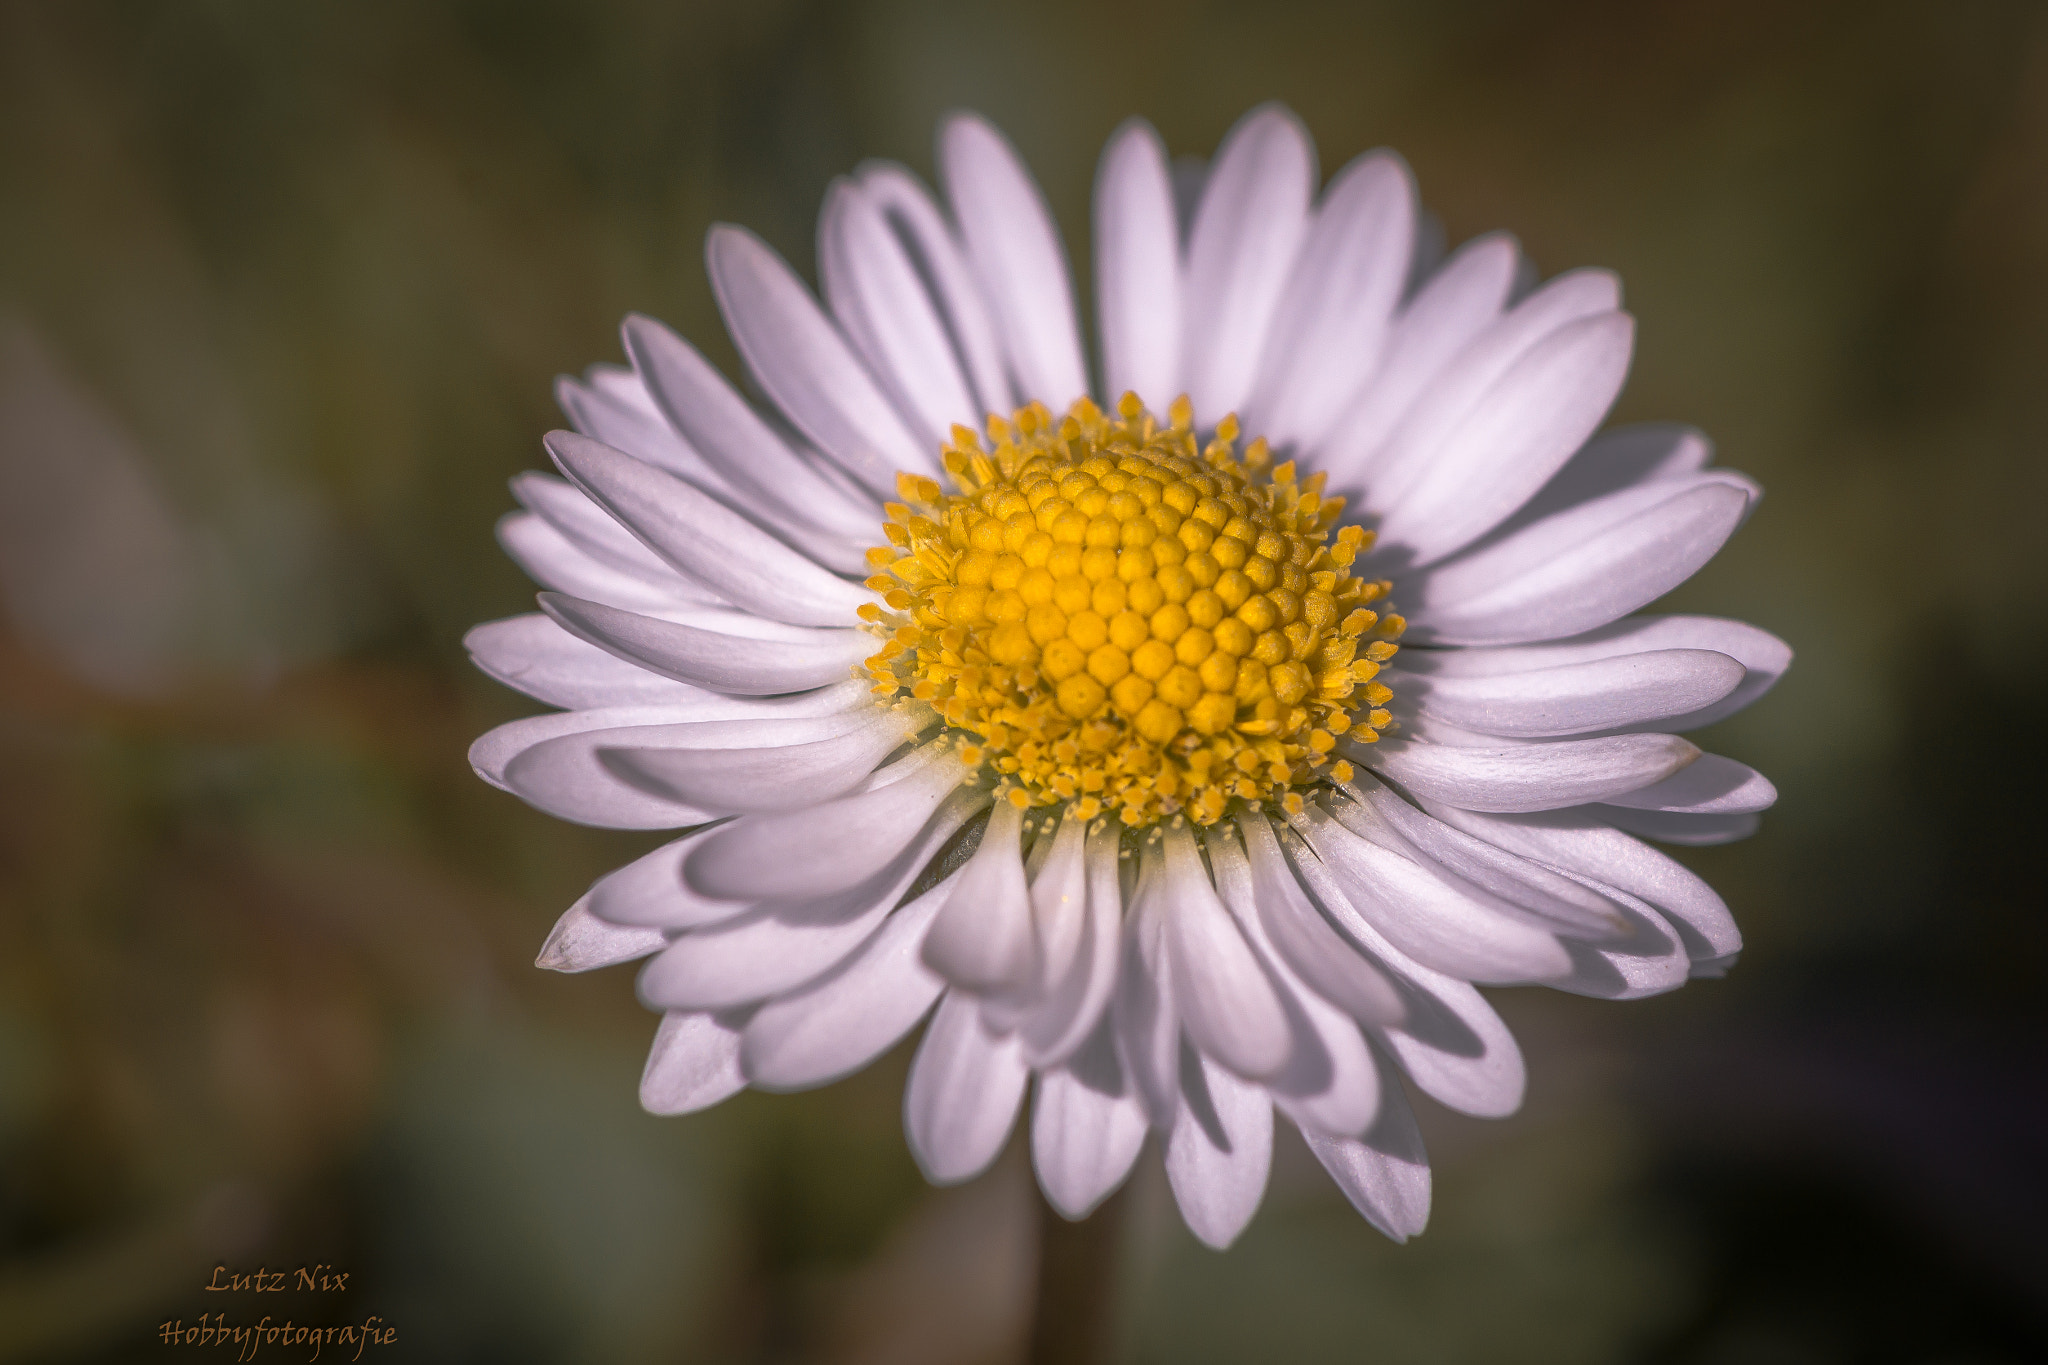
x=876, y=293
x=593, y=530
x=1087, y=1128
x=1651, y=960
x=1618, y=458
x=536, y=656
x=851, y=1015
x=1017, y=257
x=983, y=940
x=707, y=541
x=1432, y=917
x=707, y=658
x=649, y=892
x=805, y=365
x=1074, y=1004
x=1578, y=570
x=1679, y=827
x=963, y=1093
x=1384, y=1174
x=1710, y=785
x=1449, y=1040
x=1315, y=951
x=1519, y=433
x=1226, y=1002
x=1527, y=777
x=796, y=772
x=1138, y=268
x=1241, y=249
x=1578, y=698
x=693, y=1064
x=605, y=412
x=1581, y=842
x=782, y=944
x=747, y=454
x=942, y=264
x=1338, y=306
x=1145, y=1024
x=580, y=942
x=811, y=852
x=1457, y=303
x=550, y=559
x=1556, y=901
x=1219, y=1150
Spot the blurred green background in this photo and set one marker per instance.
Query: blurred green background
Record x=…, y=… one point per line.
x=282, y=287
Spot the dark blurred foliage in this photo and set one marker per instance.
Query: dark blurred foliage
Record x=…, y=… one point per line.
x=281, y=290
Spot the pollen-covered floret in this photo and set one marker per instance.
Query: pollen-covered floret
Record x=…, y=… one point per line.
x=1125, y=619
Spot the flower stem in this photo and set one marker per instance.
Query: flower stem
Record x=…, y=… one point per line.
x=1073, y=1321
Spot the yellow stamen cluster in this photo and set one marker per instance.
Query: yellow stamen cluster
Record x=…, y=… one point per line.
x=1120, y=617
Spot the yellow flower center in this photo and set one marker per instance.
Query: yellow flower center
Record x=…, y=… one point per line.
x=1116, y=616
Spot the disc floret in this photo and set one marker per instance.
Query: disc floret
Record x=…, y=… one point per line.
x=1119, y=616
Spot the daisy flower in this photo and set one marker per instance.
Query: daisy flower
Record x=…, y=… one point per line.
x=1179, y=749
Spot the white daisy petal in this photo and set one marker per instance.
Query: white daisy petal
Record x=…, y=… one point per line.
x=1241, y=248
x=636, y=427
x=534, y=655
x=1142, y=1015
x=1330, y=1083
x=781, y=944
x=1578, y=570
x=983, y=940
x=1580, y=841
x=962, y=1097
x=580, y=942
x=649, y=892
x=1621, y=457
x=1680, y=827
x=1338, y=306
x=553, y=561
x=811, y=852
x=1710, y=785
x=1652, y=961
x=1219, y=1149
x=1433, y=917
x=942, y=266
x=1384, y=1174
x=1137, y=267
x=1449, y=1040
x=1454, y=306
x=591, y=529
x=707, y=541
x=693, y=1064
x=742, y=778
x=854, y=1013
x=1226, y=1002
x=1530, y=776
x=1572, y=698
x=1082, y=923
x=1308, y=944
x=805, y=365
x=1520, y=431
x=760, y=667
x=873, y=287
x=1086, y=1128
x=1016, y=253
x=747, y=454
x=1557, y=901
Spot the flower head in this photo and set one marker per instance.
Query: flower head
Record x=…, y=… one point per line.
x=1086, y=724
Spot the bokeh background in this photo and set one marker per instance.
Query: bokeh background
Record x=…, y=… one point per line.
x=282, y=288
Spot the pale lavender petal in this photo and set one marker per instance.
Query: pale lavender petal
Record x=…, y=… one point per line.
x=1145, y=1025
x=1315, y=951
x=1226, y=1002
x=1710, y=785
x=1572, y=698
x=1219, y=1149
x=580, y=942
x=649, y=892
x=1529, y=776
x=536, y=656
x=694, y=1063
x=1384, y=1174
x=554, y=561
x=851, y=1015
x=1137, y=268
x=805, y=365
x=1074, y=1002
x=1017, y=257
x=760, y=667
x=1679, y=827
x=605, y=412
x=983, y=940
x=963, y=1093
x=1087, y=1128
x=740, y=778
x=1241, y=248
